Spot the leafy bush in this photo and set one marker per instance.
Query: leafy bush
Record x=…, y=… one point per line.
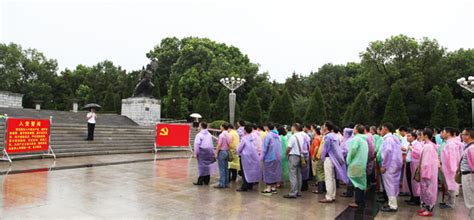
x=216, y=124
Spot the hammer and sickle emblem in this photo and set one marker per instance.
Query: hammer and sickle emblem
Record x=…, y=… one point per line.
x=164, y=131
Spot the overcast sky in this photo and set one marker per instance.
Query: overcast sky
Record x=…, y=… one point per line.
x=282, y=36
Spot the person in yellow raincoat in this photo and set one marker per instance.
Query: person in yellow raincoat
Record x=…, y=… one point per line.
x=234, y=164
x=356, y=160
x=321, y=184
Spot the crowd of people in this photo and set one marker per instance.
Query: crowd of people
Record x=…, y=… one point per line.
x=394, y=162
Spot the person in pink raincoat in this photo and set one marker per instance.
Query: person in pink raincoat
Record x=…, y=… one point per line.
x=450, y=157
x=415, y=147
x=429, y=164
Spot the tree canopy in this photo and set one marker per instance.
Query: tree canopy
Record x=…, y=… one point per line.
x=420, y=72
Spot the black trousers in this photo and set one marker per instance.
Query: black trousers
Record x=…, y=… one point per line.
x=371, y=178
x=304, y=185
x=408, y=175
x=204, y=180
x=245, y=184
x=232, y=174
x=90, y=131
x=359, y=196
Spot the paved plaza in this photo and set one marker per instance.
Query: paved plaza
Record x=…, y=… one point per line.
x=162, y=189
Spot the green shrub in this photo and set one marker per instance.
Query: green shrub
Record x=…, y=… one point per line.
x=216, y=124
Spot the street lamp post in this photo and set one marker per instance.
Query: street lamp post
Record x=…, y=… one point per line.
x=469, y=86
x=232, y=84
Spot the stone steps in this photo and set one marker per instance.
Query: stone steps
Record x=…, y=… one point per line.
x=64, y=117
x=91, y=153
x=102, y=149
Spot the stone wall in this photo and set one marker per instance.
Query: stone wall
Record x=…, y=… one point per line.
x=11, y=100
x=142, y=110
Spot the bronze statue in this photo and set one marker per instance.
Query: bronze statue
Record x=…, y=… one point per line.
x=144, y=87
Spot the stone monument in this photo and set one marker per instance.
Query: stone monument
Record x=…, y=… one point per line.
x=11, y=100
x=142, y=108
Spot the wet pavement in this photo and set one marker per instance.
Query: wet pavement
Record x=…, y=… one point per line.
x=28, y=165
x=162, y=189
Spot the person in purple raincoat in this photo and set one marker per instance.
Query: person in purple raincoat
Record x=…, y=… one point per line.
x=348, y=134
x=391, y=167
x=241, y=130
x=333, y=160
x=371, y=158
x=271, y=157
x=249, y=161
x=204, y=150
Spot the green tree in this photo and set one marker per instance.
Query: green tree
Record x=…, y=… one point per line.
x=109, y=102
x=300, y=104
x=288, y=111
x=395, y=109
x=361, y=110
x=203, y=105
x=201, y=62
x=445, y=111
x=173, y=104
x=85, y=93
x=281, y=109
x=316, y=111
x=347, y=118
x=252, y=111
x=221, y=111
x=333, y=111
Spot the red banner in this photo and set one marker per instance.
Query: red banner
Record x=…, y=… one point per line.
x=27, y=135
x=172, y=135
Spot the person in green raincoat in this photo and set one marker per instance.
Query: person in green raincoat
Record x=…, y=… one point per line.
x=356, y=160
x=284, y=136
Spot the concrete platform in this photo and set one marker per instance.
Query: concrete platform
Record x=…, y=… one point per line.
x=160, y=189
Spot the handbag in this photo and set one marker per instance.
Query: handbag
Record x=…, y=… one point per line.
x=303, y=162
x=417, y=176
x=213, y=159
x=230, y=154
x=458, y=175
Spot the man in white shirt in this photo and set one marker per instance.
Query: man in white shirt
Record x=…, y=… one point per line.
x=91, y=120
x=295, y=143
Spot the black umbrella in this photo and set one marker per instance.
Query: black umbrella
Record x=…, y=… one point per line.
x=92, y=105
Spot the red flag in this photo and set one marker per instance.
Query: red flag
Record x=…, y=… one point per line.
x=172, y=135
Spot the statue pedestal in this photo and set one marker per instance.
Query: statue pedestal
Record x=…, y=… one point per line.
x=142, y=110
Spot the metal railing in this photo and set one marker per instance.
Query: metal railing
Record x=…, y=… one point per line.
x=171, y=120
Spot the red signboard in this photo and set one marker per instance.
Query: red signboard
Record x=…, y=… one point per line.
x=172, y=135
x=27, y=135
